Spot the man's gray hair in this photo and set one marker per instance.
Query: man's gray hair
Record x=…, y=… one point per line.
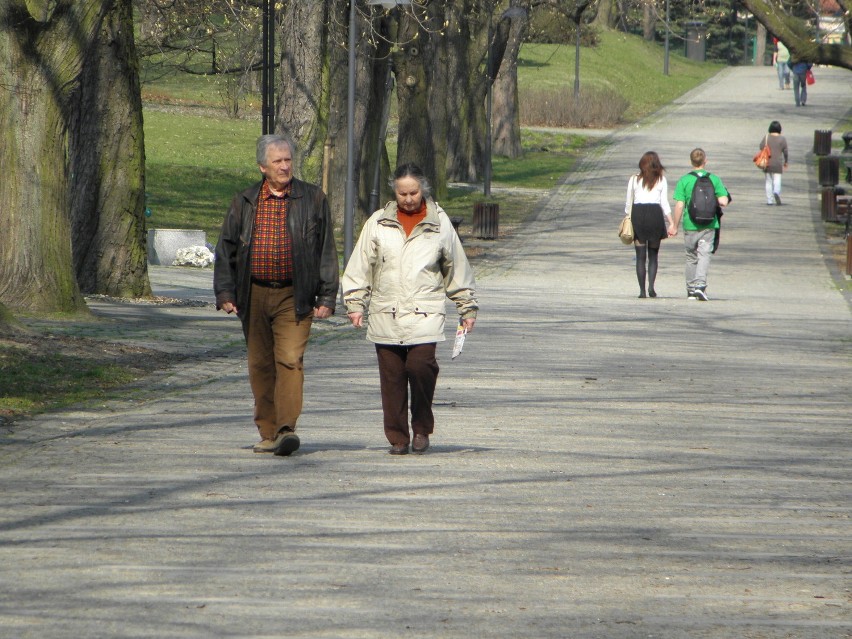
x=272, y=139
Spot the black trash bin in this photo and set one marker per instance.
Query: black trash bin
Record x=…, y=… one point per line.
x=486, y=220
x=822, y=142
x=829, y=170
x=696, y=41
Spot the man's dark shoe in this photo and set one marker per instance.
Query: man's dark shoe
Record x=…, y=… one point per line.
x=420, y=443
x=286, y=443
x=399, y=449
x=777, y=199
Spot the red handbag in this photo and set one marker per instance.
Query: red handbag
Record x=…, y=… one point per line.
x=809, y=77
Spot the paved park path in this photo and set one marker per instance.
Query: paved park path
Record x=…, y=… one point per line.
x=603, y=466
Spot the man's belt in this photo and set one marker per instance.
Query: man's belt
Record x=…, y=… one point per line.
x=273, y=283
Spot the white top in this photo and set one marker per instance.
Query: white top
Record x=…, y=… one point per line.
x=659, y=194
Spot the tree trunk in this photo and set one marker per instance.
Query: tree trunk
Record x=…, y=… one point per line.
x=303, y=90
x=373, y=191
x=606, y=16
x=107, y=161
x=415, y=139
x=505, y=113
x=40, y=58
x=649, y=20
x=313, y=94
x=459, y=89
x=760, y=52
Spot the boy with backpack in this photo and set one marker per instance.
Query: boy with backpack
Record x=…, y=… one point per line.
x=701, y=196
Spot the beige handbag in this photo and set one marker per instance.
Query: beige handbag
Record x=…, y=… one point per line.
x=625, y=230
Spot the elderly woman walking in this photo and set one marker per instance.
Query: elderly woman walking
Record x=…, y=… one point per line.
x=407, y=261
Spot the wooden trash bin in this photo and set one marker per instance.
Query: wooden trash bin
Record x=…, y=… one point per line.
x=829, y=170
x=822, y=142
x=486, y=220
x=849, y=254
x=828, y=209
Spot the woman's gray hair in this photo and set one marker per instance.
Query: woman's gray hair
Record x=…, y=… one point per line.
x=272, y=139
x=409, y=169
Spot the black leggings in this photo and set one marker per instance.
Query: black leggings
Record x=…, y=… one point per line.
x=650, y=252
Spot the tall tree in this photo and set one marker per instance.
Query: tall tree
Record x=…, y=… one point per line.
x=415, y=140
x=107, y=162
x=312, y=93
x=443, y=80
x=506, y=120
x=41, y=47
x=304, y=82
x=44, y=90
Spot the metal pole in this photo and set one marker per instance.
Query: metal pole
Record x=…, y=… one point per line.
x=349, y=201
x=271, y=66
x=666, y=58
x=577, y=64
x=264, y=74
x=488, y=101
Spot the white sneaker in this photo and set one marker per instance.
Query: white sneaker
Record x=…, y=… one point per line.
x=701, y=295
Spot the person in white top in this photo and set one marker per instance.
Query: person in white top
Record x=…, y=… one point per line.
x=648, y=207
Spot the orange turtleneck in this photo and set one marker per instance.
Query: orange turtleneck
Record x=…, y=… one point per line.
x=410, y=220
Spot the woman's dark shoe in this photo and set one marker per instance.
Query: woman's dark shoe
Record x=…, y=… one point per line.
x=641, y=294
x=399, y=449
x=420, y=443
x=652, y=293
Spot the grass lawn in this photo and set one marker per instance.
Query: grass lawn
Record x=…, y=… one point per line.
x=194, y=165
x=625, y=63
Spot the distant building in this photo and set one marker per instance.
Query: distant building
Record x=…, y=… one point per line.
x=832, y=29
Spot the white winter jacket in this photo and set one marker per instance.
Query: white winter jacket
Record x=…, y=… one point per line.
x=404, y=281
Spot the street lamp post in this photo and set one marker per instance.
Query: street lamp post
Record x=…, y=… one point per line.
x=267, y=77
x=666, y=58
x=488, y=106
x=349, y=199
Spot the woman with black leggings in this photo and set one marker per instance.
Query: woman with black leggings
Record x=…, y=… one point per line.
x=649, y=209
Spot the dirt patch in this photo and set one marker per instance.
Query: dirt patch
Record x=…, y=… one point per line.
x=83, y=348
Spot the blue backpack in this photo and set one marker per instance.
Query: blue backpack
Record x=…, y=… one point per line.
x=703, y=205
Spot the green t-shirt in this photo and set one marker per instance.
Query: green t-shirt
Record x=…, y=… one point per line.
x=683, y=193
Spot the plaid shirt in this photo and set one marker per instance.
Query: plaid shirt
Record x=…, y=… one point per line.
x=271, y=249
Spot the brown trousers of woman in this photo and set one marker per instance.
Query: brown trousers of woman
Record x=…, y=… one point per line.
x=401, y=368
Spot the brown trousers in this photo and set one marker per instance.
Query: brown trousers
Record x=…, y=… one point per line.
x=276, y=347
x=401, y=367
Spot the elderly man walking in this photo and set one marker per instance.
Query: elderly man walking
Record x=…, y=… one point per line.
x=276, y=267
